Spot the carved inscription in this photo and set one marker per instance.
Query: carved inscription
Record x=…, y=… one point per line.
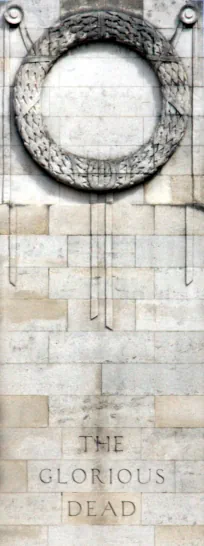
x=100, y=487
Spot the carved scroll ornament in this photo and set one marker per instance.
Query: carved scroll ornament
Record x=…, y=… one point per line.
x=94, y=174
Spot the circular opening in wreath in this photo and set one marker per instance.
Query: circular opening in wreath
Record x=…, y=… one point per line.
x=101, y=100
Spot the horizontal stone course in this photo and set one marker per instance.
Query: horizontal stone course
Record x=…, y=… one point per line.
x=152, y=379
x=128, y=283
x=79, y=319
x=111, y=411
x=101, y=347
x=56, y=379
x=97, y=534
x=109, y=476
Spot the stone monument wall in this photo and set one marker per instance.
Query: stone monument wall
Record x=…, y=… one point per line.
x=102, y=300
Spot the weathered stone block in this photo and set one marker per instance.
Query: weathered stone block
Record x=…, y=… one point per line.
x=173, y=190
x=31, y=283
x=21, y=347
x=34, y=315
x=172, y=444
x=103, y=508
x=179, y=411
x=41, y=251
x=160, y=251
x=171, y=315
x=101, y=411
x=23, y=411
x=179, y=347
x=58, y=379
x=151, y=379
x=169, y=283
x=32, y=220
x=4, y=219
x=83, y=535
x=133, y=219
x=189, y=477
x=179, y=536
x=169, y=220
x=13, y=477
x=87, y=443
x=101, y=347
x=31, y=509
x=73, y=219
x=172, y=509
x=21, y=535
x=30, y=443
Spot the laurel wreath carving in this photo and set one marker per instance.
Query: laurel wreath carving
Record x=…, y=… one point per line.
x=94, y=174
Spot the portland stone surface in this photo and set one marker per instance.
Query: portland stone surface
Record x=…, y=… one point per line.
x=102, y=273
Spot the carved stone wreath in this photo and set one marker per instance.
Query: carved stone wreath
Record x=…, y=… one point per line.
x=93, y=174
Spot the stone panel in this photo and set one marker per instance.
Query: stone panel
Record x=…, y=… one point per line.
x=108, y=475
x=171, y=509
x=101, y=509
x=13, y=477
x=189, y=477
x=151, y=379
x=179, y=347
x=173, y=444
x=30, y=509
x=160, y=251
x=112, y=411
x=22, y=347
x=179, y=536
x=101, y=347
x=36, y=315
x=41, y=251
x=56, y=379
x=32, y=282
x=19, y=535
x=171, y=315
x=88, y=535
x=179, y=411
x=88, y=443
x=23, y=411
x=30, y=443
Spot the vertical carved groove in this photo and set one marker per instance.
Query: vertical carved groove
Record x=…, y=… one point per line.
x=108, y=261
x=189, y=246
x=94, y=307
